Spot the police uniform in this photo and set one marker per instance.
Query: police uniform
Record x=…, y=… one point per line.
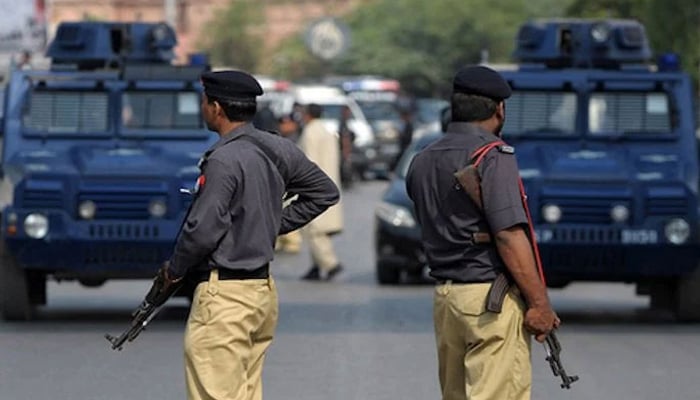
x=482, y=355
x=227, y=242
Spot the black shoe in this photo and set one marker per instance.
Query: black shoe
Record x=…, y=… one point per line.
x=314, y=274
x=333, y=272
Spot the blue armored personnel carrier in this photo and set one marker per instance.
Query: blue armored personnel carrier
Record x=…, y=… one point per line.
x=606, y=147
x=95, y=153
x=605, y=141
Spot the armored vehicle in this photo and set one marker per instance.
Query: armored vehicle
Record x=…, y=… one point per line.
x=96, y=151
x=606, y=146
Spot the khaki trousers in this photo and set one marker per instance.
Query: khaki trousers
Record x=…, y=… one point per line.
x=481, y=355
x=231, y=325
x=322, y=251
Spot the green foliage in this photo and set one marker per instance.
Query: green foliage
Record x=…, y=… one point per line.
x=672, y=25
x=607, y=8
x=422, y=43
x=233, y=37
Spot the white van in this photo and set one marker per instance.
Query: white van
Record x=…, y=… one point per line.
x=332, y=99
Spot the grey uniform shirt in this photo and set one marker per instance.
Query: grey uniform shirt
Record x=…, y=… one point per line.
x=446, y=214
x=237, y=212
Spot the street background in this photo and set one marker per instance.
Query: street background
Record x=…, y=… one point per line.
x=350, y=339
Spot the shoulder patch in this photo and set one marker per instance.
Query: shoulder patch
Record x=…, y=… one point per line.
x=506, y=149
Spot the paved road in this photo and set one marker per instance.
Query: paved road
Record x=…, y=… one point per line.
x=345, y=340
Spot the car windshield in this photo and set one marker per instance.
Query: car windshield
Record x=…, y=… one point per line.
x=57, y=113
x=618, y=114
x=540, y=113
x=379, y=110
x=161, y=110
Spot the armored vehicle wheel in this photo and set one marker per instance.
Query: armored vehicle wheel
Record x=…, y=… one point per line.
x=688, y=297
x=387, y=274
x=14, y=286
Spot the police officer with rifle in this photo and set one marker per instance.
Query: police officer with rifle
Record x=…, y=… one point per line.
x=490, y=297
x=227, y=242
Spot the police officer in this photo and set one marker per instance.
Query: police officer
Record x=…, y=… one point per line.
x=227, y=240
x=482, y=354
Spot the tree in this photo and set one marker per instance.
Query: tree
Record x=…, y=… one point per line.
x=231, y=38
x=422, y=43
x=672, y=25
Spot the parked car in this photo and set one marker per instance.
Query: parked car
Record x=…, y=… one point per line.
x=397, y=236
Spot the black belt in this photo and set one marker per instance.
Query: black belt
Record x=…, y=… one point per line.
x=235, y=274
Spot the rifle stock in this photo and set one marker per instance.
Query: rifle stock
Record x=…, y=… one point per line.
x=470, y=182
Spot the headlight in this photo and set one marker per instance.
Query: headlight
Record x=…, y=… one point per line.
x=395, y=215
x=87, y=209
x=551, y=213
x=36, y=226
x=157, y=208
x=677, y=231
x=620, y=213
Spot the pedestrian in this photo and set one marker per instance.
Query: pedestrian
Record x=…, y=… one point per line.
x=227, y=239
x=347, y=142
x=322, y=147
x=289, y=242
x=482, y=355
x=405, y=135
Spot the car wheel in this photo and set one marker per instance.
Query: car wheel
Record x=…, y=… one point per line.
x=388, y=274
x=687, y=295
x=14, y=285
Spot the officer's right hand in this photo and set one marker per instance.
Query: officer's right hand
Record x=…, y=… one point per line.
x=540, y=321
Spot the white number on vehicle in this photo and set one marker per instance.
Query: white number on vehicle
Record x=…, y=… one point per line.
x=639, y=236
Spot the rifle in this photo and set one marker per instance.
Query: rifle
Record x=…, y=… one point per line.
x=146, y=311
x=469, y=181
x=553, y=349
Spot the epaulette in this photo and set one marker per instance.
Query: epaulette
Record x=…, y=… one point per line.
x=506, y=149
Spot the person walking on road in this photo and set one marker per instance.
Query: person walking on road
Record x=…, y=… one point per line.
x=322, y=147
x=482, y=354
x=227, y=240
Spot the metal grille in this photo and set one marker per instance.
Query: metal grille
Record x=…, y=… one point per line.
x=585, y=210
x=666, y=206
x=629, y=113
x=122, y=255
x=116, y=200
x=72, y=112
x=42, y=199
x=600, y=259
x=585, y=235
x=540, y=112
x=123, y=231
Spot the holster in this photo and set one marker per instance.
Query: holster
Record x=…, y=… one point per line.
x=497, y=293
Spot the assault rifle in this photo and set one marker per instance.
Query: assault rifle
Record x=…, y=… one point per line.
x=159, y=293
x=553, y=349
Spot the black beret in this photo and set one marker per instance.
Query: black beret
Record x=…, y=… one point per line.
x=231, y=85
x=483, y=81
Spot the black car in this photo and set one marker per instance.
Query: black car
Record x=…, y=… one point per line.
x=397, y=234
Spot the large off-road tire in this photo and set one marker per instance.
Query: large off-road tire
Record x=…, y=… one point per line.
x=688, y=297
x=387, y=274
x=14, y=289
